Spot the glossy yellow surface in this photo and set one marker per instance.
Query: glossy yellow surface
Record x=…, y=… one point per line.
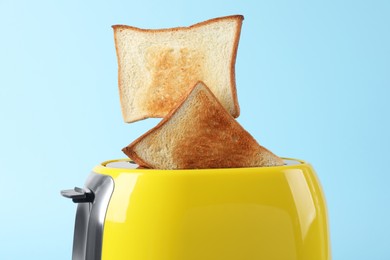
x=216, y=214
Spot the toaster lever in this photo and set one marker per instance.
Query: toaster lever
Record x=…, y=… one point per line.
x=79, y=195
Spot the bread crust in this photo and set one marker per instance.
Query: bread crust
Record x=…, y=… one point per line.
x=158, y=114
x=237, y=17
x=118, y=58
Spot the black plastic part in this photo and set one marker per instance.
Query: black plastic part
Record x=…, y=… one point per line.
x=78, y=195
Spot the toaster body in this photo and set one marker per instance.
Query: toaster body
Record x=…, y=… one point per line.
x=205, y=214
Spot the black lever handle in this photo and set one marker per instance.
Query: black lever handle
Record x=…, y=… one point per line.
x=79, y=195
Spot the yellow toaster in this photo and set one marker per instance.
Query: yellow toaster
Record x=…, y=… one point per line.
x=268, y=213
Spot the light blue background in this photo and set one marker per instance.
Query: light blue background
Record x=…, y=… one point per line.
x=313, y=83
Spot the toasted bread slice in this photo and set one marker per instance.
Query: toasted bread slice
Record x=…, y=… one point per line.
x=157, y=67
x=199, y=133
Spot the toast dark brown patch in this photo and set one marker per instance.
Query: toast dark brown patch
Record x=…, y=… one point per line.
x=172, y=71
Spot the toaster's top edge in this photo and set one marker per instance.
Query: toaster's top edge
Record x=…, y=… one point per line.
x=127, y=164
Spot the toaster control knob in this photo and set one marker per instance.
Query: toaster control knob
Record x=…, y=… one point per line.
x=79, y=195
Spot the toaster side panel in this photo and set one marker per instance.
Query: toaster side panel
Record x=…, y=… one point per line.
x=90, y=216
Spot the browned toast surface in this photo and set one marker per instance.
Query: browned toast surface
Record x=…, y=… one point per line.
x=199, y=133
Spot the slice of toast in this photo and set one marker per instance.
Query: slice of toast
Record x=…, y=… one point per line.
x=156, y=67
x=199, y=133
